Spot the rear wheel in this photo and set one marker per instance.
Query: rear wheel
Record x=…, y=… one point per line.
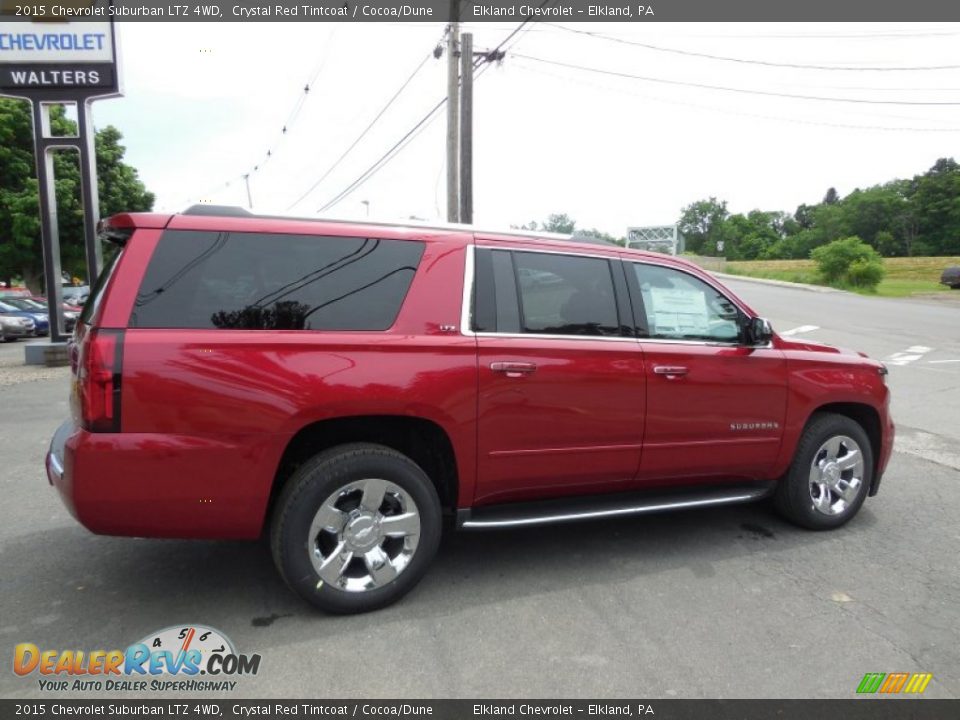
x=355, y=528
x=830, y=474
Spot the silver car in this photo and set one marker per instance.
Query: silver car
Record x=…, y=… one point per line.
x=13, y=327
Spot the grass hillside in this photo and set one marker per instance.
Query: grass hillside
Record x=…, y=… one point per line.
x=904, y=277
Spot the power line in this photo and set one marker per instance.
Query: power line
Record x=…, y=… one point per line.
x=746, y=91
x=395, y=150
x=801, y=121
x=288, y=123
x=363, y=134
x=385, y=158
x=297, y=108
x=747, y=61
x=487, y=57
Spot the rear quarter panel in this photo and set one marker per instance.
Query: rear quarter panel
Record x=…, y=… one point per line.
x=212, y=411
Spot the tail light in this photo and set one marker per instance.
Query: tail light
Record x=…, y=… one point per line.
x=97, y=380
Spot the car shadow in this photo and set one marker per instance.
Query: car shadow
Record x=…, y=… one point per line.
x=67, y=588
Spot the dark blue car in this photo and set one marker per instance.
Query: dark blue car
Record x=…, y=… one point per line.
x=40, y=318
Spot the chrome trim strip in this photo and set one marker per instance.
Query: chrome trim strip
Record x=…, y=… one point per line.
x=561, y=450
x=466, y=321
x=534, y=336
x=614, y=255
x=469, y=277
x=609, y=338
x=725, y=442
x=613, y=512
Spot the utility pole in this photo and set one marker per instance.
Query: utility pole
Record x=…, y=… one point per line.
x=466, y=129
x=453, y=114
x=246, y=179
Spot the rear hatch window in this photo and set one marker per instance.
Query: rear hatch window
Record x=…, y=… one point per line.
x=255, y=281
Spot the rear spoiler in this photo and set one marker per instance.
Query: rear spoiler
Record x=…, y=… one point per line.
x=118, y=228
x=113, y=234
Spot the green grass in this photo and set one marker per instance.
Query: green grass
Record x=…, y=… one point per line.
x=905, y=277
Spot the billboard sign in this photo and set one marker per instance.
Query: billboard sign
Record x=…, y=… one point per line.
x=42, y=56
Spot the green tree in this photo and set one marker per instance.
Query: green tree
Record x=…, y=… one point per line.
x=935, y=201
x=749, y=237
x=901, y=217
x=565, y=225
x=887, y=244
x=804, y=216
x=559, y=223
x=865, y=213
x=119, y=187
x=702, y=225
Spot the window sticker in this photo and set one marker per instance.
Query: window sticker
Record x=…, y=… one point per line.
x=677, y=311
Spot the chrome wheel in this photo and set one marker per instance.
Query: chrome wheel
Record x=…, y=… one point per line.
x=364, y=535
x=836, y=475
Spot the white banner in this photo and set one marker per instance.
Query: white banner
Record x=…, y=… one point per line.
x=60, y=42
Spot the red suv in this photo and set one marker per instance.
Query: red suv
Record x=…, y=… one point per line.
x=345, y=386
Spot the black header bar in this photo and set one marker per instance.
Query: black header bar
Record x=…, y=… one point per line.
x=490, y=11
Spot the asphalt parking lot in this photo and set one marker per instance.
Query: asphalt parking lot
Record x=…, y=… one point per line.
x=730, y=603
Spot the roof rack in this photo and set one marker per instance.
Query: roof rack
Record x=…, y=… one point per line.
x=235, y=211
x=218, y=211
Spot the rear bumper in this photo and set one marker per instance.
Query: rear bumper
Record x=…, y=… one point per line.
x=158, y=485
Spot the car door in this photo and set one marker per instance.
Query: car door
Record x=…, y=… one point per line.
x=561, y=380
x=715, y=405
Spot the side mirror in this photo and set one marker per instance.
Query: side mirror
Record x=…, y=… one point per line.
x=759, y=331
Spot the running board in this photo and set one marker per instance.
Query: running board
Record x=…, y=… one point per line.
x=594, y=507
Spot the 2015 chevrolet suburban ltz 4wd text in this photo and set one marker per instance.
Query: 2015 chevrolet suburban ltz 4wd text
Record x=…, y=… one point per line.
x=347, y=386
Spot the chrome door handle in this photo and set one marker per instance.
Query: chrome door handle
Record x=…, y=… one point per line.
x=670, y=370
x=513, y=369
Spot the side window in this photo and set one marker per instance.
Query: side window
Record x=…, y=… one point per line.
x=679, y=306
x=565, y=294
x=254, y=281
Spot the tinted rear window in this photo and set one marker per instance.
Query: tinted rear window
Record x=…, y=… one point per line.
x=254, y=281
x=111, y=256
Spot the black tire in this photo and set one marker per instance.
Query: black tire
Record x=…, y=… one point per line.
x=314, y=484
x=794, y=496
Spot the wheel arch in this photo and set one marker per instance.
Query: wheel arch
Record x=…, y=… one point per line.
x=422, y=440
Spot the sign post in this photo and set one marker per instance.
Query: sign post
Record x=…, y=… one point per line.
x=53, y=62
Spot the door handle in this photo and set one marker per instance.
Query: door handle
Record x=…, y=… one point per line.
x=513, y=369
x=671, y=371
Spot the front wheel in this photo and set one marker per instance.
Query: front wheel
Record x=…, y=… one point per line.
x=355, y=528
x=830, y=474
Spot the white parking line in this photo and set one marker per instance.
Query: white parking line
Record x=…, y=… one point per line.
x=911, y=354
x=798, y=330
x=940, y=362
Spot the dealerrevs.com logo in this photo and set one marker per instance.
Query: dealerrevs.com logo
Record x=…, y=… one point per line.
x=178, y=658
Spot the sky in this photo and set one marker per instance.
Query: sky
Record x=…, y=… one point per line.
x=204, y=102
